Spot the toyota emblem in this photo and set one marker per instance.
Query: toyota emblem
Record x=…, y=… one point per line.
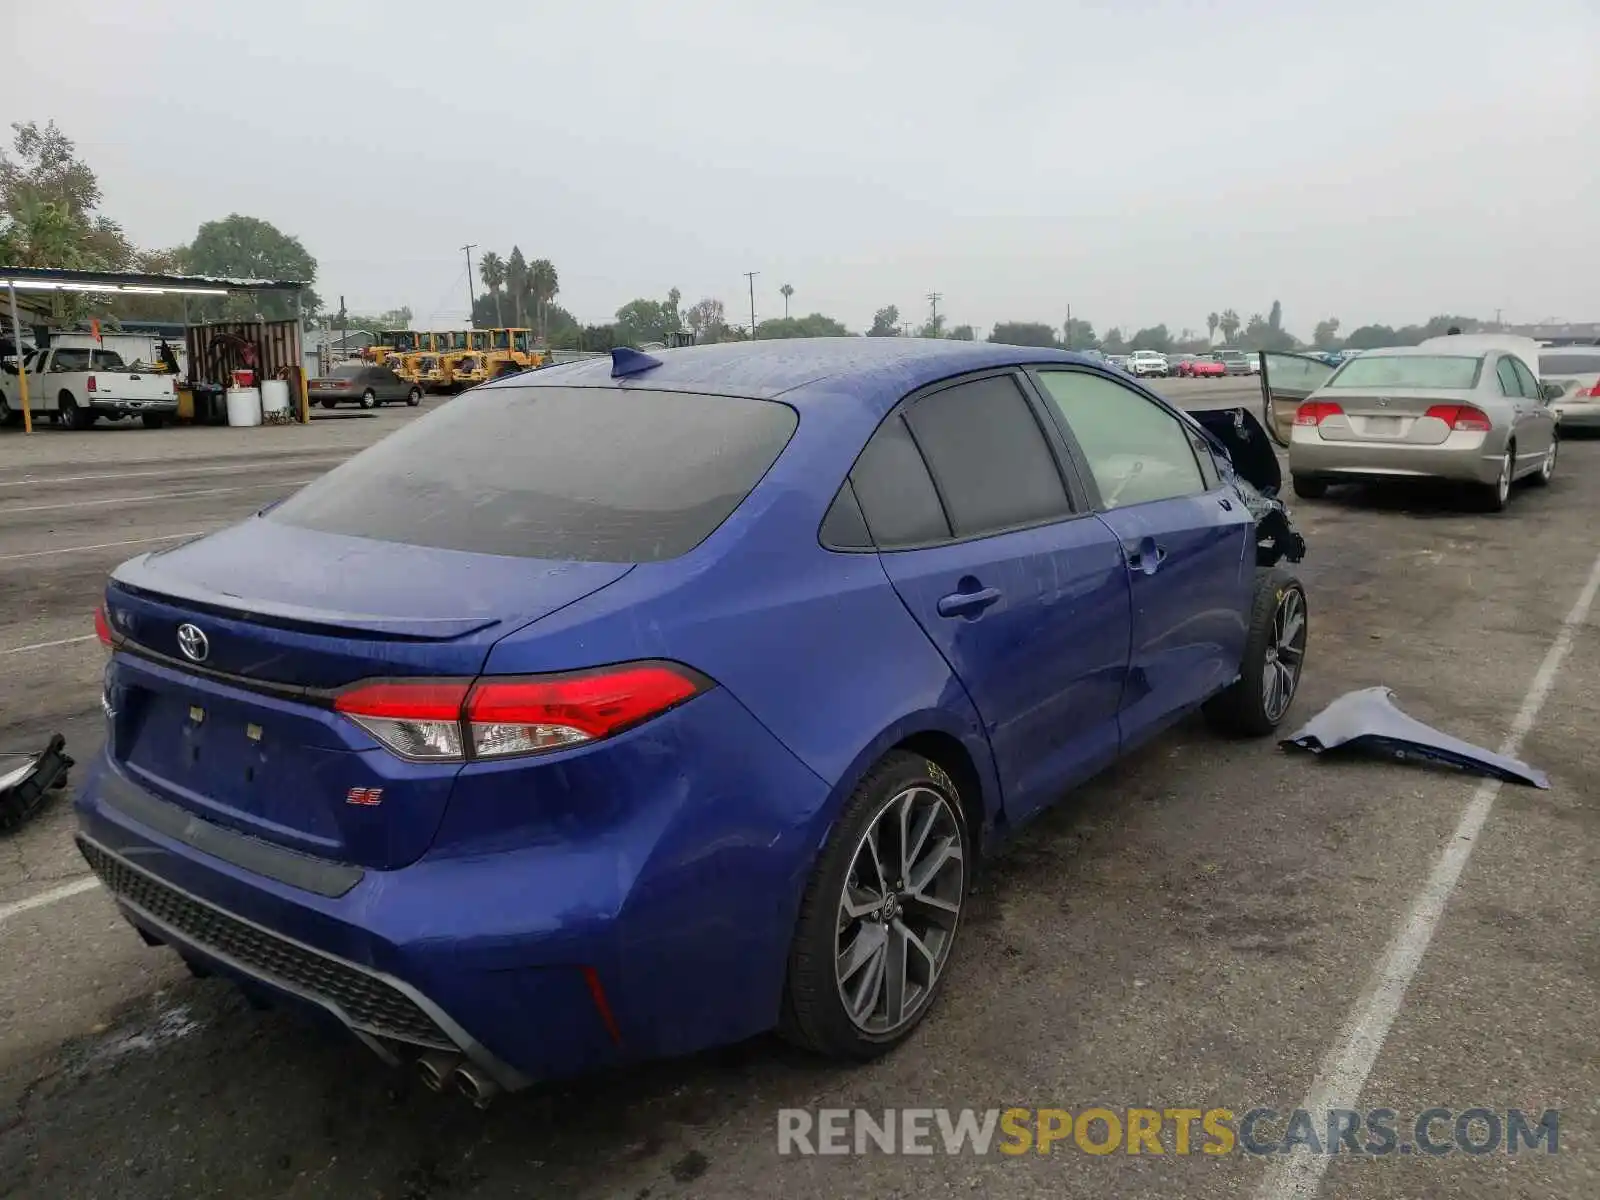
x=193, y=642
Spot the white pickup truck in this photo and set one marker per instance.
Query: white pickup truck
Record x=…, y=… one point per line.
x=75, y=385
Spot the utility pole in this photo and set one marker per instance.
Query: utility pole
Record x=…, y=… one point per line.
x=1069, y=327
x=751, y=276
x=933, y=304
x=472, y=300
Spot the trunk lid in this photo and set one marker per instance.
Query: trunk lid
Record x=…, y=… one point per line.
x=1390, y=415
x=246, y=736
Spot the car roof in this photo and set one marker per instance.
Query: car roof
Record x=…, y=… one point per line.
x=800, y=370
x=1432, y=349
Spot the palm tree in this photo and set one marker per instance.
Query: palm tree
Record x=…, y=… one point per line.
x=492, y=270
x=517, y=282
x=1212, y=321
x=1229, y=323
x=543, y=284
x=786, y=291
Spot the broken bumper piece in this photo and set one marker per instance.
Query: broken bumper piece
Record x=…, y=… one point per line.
x=26, y=780
x=1370, y=721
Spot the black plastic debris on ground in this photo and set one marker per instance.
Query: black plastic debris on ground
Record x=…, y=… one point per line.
x=26, y=781
x=1369, y=721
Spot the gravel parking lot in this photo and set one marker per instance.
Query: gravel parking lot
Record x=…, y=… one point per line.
x=1210, y=925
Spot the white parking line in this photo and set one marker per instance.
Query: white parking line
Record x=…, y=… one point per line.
x=132, y=500
x=88, y=637
x=67, y=890
x=164, y=537
x=1349, y=1060
x=36, y=480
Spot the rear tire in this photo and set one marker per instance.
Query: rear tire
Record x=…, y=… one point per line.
x=1309, y=487
x=1273, y=662
x=414, y=397
x=327, y=403
x=1541, y=477
x=1497, y=495
x=8, y=415
x=894, y=925
x=369, y=399
x=72, y=416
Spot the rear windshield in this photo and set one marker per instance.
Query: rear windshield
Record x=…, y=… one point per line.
x=586, y=474
x=347, y=371
x=1407, y=371
x=1570, y=364
x=85, y=359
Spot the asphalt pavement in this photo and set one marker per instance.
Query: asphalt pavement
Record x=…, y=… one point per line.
x=1210, y=925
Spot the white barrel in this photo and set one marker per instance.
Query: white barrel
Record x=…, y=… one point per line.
x=244, y=406
x=274, y=396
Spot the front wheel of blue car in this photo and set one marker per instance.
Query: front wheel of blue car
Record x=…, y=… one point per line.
x=1274, y=657
x=880, y=914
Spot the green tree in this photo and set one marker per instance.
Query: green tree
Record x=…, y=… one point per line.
x=492, y=270
x=1326, y=334
x=543, y=286
x=1230, y=324
x=1079, y=335
x=816, y=325
x=649, y=320
x=1113, y=342
x=1212, y=321
x=517, y=285
x=1260, y=334
x=786, y=291
x=885, y=322
x=1023, y=333
x=1154, y=338
x=962, y=333
x=1370, y=337
x=1275, y=317
x=933, y=327
x=706, y=319
x=49, y=202
x=240, y=247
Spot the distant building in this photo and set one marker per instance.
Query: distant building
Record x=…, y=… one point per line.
x=1576, y=333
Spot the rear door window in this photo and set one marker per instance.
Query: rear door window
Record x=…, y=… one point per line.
x=1525, y=379
x=895, y=491
x=989, y=457
x=1508, y=378
x=577, y=474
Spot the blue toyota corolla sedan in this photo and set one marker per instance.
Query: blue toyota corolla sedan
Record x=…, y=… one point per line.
x=629, y=707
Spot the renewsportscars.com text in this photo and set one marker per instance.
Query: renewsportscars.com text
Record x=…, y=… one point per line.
x=1375, y=1133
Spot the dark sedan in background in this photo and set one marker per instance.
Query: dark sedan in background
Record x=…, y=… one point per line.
x=363, y=384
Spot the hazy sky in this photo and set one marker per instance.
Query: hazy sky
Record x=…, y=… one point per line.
x=1141, y=160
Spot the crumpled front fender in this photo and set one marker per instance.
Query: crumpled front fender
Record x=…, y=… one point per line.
x=1370, y=720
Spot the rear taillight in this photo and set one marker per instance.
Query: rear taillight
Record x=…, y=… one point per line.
x=1594, y=392
x=91, y=383
x=453, y=720
x=1315, y=412
x=1461, y=416
x=102, y=627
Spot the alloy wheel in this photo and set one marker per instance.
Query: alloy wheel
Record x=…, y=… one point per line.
x=1548, y=467
x=1503, y=484
x=899, y=910
x=1286, y=653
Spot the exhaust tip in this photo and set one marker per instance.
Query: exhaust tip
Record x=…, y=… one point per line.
x=478, y=1088
x=435, y=1069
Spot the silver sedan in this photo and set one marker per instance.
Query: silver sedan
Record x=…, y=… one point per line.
x=1463, y=408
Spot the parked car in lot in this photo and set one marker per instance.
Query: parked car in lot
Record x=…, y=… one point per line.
x=467, y=742
x=1460, y=408
x=1119, y=361
x=1239, y=362
x=1573, y=373
x=364, y=384
x=1178, y=364
x=1206, y=366
x=1147, y=364
x=76, y=385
